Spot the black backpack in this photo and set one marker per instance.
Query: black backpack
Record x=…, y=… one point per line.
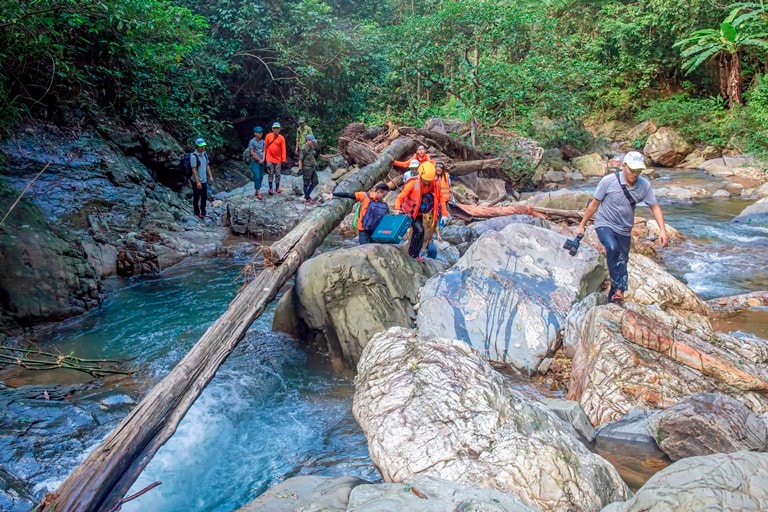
x=427, y=203
x=373, y=214
x=186, y=164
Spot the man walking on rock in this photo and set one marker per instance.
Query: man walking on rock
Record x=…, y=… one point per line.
x=614, y=201
x=308, y=167
x=201, y=175
x=274, y=149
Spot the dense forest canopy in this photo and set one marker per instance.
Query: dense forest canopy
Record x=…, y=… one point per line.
x=200, y=67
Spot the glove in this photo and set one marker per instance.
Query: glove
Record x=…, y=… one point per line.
x=442, y=222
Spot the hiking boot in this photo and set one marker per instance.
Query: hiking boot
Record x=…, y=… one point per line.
x=419, y=259
x=270, y=192
x=259, y=196
x=617, y=297
x=279, y=190
x=310, y=201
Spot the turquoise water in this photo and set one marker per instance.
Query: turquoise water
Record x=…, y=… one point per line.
x=271, y=411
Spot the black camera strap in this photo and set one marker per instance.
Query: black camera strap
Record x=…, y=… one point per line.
x=631, y=199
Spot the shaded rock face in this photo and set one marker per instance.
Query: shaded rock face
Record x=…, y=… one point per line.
x=707, y=423
x=429, y=494
x=347, y=296
x=88, y=206
x=509, y=294
x=731, y=483
x=642, y=356
x=434, y=407
x=666, y=147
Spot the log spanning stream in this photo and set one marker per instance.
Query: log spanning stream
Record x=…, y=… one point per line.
x=271, y=412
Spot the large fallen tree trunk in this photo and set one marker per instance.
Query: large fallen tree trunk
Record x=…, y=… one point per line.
x=100, y=482
x=464, y=168
x=472, y=212
x=445, y=143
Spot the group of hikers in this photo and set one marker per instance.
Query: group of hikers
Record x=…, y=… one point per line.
x=426, y=194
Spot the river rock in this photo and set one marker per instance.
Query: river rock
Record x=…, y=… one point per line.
x=434, y=407
x=756, y=213
x=509, y=294
x=643, y=129
x=348, y=295
x=721, y=194
x=553, y=176
x=613, y=130
x=561, y=199
x=575, y=321
x=737, y=165
x=698, y=156
x=707, y=423
x=554, y=159
x=571, y=413
x=650, y=284
x=590, y=165
x=306, y=493
x=632, y=427
x=725, y=482
x=666, y=147
x=429, y=494
x=271, y=218
x=490, y=189
x=641, y=356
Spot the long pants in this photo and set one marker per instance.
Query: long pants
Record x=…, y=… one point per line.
x=417, y=237
x=257, y=170
x=199, y=198
x=617, y=253
x=273, y=173
x=363, y=237
x=310, y=181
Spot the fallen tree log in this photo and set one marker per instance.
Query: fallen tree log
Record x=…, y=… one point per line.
x=445, y=143
x=464, y=168
x=472, y=212
x=360, y=153
x=108, y=472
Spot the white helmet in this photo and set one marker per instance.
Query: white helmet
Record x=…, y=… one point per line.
x=414, y=164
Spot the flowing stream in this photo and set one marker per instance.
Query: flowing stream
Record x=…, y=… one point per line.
x=272, y=411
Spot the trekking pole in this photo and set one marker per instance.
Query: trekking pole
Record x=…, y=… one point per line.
x=22, y=194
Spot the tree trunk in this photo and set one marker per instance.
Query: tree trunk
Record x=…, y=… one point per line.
x=464, y=168
x=445, y=143
x=722, y=66
x=100, y=482
x=734, y=81
x=359, y=153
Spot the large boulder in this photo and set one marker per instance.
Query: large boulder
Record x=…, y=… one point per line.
x=728, y=483
x=756, y=213
x=444, y=126
x=739, y=165
x=666, y=147
x=490, y=189
x=590, y=165
x=707, y=423
x=509, y=294
x=643, y=356
x=429, y=494
x=561, y=199
x=347, y=296
x=434, y=407
x=613, y=130
x=698, y=156
x=642, y=130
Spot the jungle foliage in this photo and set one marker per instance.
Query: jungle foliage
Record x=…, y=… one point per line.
x=524, y=64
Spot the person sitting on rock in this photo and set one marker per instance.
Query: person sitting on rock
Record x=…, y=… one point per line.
x=364, y=198
x=421, y=156
x=614, y=201
x=419, y=197
x=308, y=166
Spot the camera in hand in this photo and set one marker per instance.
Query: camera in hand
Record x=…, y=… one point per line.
x=572, y=245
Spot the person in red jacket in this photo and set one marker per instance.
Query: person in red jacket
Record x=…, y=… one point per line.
x=420, y=155
x=420, y=196
x=275, y=155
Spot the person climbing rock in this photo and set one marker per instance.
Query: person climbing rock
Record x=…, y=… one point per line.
x=365, y=199
x=614, y=202
x=201, y=176
x=308, y=166
x=275, y=155
x=419, y=197
x=256, y=149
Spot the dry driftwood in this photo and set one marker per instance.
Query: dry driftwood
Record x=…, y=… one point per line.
x=464, y=168
x=471, y=212
x=111, y=468
x=445, y=143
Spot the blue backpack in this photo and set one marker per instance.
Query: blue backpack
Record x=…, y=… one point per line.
x=373, y=215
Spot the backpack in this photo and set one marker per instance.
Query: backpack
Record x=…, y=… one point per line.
x=373, y=215
x=356, y=214
x=247, y=155
x=186, y=165
x=427, y=203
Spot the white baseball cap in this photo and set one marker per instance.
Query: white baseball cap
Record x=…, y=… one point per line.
x=634, y=160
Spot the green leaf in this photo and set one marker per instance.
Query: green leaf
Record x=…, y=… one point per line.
x=729, y=32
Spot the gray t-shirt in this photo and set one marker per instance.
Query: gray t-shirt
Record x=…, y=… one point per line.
x=615, y=212
x=258, y=147
x=202, y=170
